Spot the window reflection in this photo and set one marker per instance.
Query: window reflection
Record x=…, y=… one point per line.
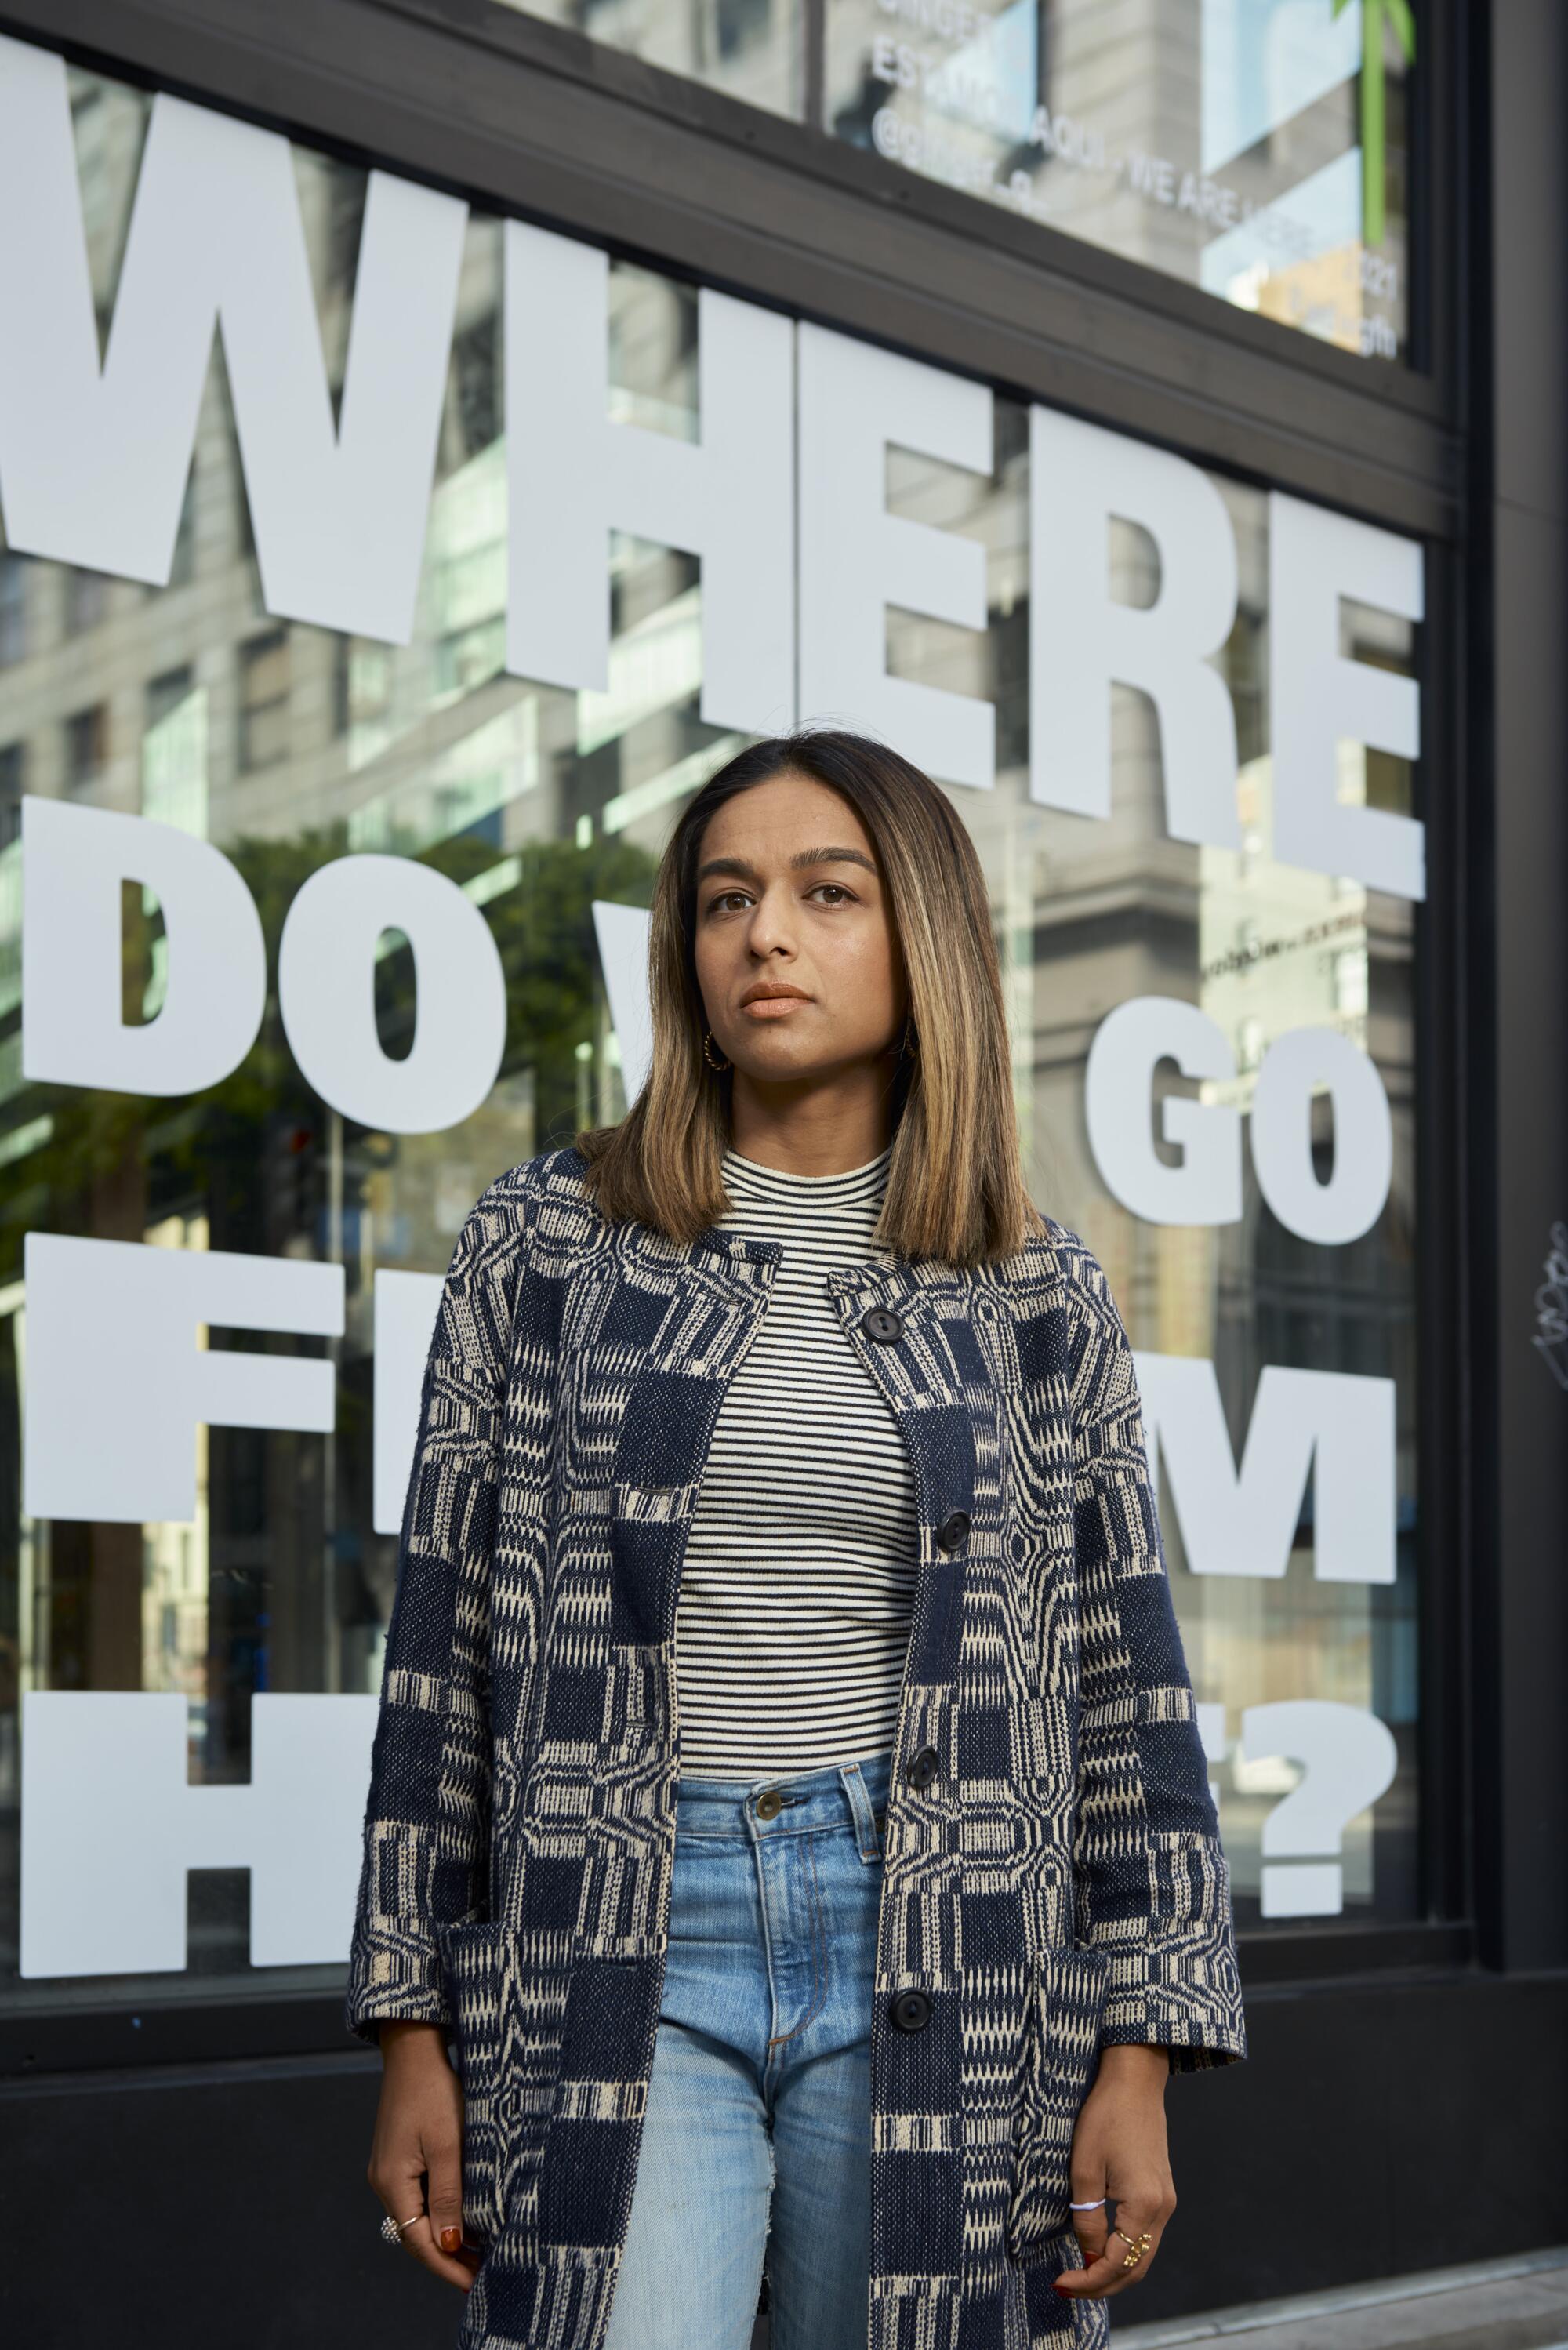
x=1247, y=147
x=749, y=49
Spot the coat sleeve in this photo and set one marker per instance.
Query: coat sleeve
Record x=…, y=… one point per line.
x=1152, y=1889
x=427, y=1818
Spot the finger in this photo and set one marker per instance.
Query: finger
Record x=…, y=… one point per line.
x=401, y=2191
x=1090, y=2281
x=1130, y=2233
x=1090, y=2227
x=453, y=2268
x=1133, y=2231
x=1109, y=2274
x=443, y=2191
x=436, y=2241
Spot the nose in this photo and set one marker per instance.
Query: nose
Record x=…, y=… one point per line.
x=771, y=927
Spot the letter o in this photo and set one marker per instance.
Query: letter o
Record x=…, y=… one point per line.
x=326, y=993
x=1351, y=1201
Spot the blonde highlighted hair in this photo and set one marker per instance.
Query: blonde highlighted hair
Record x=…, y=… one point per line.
x=956, y=1189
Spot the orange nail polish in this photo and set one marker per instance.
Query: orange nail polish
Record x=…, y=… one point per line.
x=451, y=2238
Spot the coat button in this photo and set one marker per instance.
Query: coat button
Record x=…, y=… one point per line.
x=924, y=1766
x=770, y=1805
x=911, y=2010
x=952, y=1530
x=880, y=1322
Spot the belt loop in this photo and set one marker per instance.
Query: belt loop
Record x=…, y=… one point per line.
x=860, y=1807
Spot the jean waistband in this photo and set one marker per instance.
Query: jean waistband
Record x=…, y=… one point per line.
x=788, y=1803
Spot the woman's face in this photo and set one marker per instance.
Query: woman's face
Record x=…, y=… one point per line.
x=790, y=897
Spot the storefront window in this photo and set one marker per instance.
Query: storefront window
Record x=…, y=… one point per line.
x=292, y=746
x=750, y=50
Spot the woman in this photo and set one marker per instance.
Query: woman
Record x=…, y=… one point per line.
x=865, y=1941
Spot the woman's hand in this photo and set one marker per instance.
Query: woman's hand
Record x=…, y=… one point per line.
x=416, y=2156
x=1119, y=2151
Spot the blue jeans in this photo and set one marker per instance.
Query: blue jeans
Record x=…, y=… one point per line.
x=759, y=2103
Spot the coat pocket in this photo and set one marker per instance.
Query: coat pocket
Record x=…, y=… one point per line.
x=1060, y=2055
x=509, y=2014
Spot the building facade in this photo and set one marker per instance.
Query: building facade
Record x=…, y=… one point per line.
x=434, y=435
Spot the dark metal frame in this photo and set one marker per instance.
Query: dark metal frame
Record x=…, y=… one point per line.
x=538, y=121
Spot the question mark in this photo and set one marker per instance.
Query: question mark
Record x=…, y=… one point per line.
x=1350, y=1759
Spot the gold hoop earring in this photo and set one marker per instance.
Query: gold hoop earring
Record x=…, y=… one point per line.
x=707, y=1056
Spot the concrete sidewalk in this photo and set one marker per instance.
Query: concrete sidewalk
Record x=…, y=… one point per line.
x=1513, y=2304
x=1510, y=2305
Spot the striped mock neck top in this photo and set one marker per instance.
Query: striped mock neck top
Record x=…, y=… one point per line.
x=799, y=1576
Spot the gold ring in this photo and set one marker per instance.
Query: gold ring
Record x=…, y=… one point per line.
x=1136, y=2247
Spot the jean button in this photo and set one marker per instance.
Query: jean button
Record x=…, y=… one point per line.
x=770, y=1805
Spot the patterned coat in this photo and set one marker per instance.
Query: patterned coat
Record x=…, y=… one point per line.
x=1056, y=1885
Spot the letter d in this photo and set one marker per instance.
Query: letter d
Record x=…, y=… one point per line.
x=74, y=861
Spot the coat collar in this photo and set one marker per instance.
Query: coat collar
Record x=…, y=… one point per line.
x=755, y=1260
x=906, y=1283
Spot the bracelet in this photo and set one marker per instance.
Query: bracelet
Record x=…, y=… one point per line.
x=1097, y=2205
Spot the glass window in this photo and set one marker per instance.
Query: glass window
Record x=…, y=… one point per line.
x=13, y=608
x=183, y=569
x=12, y=784
x=1258, y=148
x=750, y=50
x=288, y=747
x=86, y=600
x=86, y=746
x=264, y=701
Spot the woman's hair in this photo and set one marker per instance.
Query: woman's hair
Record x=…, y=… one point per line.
x=955, y=1190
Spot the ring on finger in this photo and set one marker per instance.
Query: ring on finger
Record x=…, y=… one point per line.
x=1136, y=2245
x=392, y=2230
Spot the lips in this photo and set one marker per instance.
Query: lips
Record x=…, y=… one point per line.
x=762, y=1008
x=772, y=995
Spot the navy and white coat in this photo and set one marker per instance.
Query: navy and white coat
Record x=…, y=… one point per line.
x=1056, y=1884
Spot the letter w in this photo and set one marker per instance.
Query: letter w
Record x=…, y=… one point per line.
x=1335, y=1426
x=94, y=461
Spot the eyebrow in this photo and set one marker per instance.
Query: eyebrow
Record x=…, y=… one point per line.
x=739, y=869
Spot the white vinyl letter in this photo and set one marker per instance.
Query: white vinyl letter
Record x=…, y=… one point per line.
x=572, y=476
x=1128, y=1047
x=111, y=1415
x=1082, y=641
x=94, y=460
x=622, y=933
x=407, y=1304
x=326, y=993
x=856, y=558
x=74, y=861
x=1334, y=1424
x=110, y=1823
x=1353, y=1198
x=1318, y=699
